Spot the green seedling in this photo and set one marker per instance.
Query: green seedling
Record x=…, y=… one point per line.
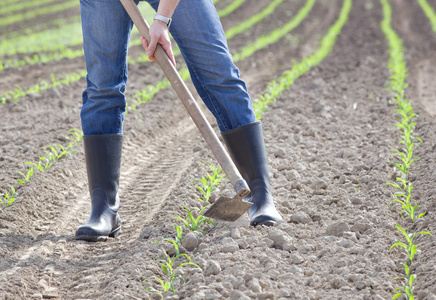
x=75, y=135
x=194, y=224
x=408, y=285
x=55, y=154
x=409, y=247
x=210, y=181
x=171, y=273
x=26, y=176
x=8, y=198
x=177, y=241
x=408, y=208
x=39, y=166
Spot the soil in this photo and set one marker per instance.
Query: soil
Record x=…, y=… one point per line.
x=329, y=140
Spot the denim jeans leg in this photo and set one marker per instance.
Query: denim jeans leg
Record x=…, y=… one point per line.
x=106, y=32
x=198, y=32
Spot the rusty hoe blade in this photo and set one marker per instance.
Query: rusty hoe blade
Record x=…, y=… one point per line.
x=230, y=209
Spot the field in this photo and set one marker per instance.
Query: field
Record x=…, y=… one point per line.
x=345, y=93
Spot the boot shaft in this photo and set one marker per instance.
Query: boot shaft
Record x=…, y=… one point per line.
x=103, y=161
x=247, y=149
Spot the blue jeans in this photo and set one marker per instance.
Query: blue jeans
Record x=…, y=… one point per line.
x=197, y=31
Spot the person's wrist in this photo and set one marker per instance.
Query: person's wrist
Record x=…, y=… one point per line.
x=163, y=19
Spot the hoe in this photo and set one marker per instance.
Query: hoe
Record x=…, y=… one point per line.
x=226, y=209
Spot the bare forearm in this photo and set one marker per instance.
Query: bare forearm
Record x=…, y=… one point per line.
x=167, y=7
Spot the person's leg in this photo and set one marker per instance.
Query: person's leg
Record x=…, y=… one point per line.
x=198, y=32
x=106, y=31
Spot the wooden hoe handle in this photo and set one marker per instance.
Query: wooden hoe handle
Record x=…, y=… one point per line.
x=190, y=104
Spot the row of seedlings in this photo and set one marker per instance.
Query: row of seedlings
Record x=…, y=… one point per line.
x=403, y=156
x=52, y=155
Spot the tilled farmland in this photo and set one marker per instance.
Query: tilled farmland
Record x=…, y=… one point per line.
x=345, y=93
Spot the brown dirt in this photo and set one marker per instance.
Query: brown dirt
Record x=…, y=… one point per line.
x=328, y=140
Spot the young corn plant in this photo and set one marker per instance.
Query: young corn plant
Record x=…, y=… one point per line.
x=51, y=156
x=75, y=135
x=177, y=241
x=63, y=151
x=403, y=198
x=195, y=223
x=407, y=288
x=26, y=176
x=8, y=197
x=209, y=182
x=171, y=273
x=411, y=250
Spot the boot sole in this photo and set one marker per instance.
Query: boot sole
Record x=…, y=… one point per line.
x=264, y=223
x=99, y=238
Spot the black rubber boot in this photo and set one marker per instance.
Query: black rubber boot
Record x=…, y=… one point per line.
x=103, y=160
x=247, y=149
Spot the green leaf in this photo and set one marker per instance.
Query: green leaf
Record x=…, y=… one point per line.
x=165, y=269
x=402, y=245
x=181, y=219
x=421, y=215
x=424, y=232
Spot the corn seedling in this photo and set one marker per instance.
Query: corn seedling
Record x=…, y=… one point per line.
x=39, y=166
x=195, y=223
x=177, y=241
x=74, y=134
x=171, y=273
x=407, y=288
x=410, y=248
x=210, y=181
x=7, y=198
x=44, y=163
x=406, y=194
x=63, y=151
x=43, y=85
x=26, y=176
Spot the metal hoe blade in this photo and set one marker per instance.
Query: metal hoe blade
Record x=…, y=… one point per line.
x=228, y=209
